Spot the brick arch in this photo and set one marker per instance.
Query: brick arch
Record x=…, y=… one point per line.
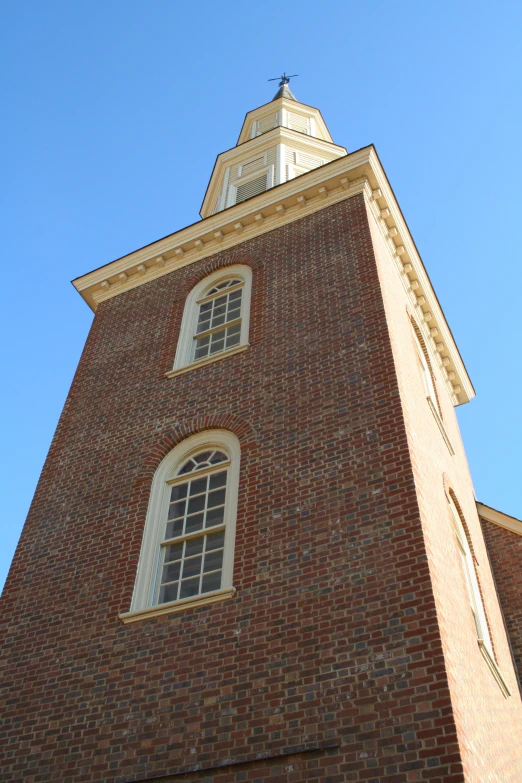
x=243, y=430
x=220, y=261
x=424, y=348
x=450, y=493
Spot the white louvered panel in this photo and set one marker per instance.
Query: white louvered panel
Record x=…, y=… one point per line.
x=308, y=161
x=252, y=165
x=298, y=122
x=251, y=188
x=271, y=156
x=266, y=123
x=290, y=156
x=234, y=173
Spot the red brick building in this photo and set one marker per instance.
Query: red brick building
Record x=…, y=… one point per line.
x=254, y=553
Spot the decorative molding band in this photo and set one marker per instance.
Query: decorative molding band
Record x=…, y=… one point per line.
x=498, y=518
x=444, y=353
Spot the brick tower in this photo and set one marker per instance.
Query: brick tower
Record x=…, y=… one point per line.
x=254, y=553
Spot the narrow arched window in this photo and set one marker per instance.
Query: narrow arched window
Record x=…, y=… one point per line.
x=191, y=553
x=426, y=370
x=187, y=551
x=470, y=577
x=216, y=317
x=219, y=318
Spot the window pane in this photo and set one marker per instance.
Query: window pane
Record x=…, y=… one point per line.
x=168, y=593
x=215, y=517
x=178, y=493
x=189, y=587
x=194, y=547
x=218, y=480
x=213, y=560
x=211, y=582
x=194, y=523
x=177, y=509
x=218, y=342
x=174, y=529
x=197, y=487
x=173, y=552
x=235, y=295
x=196, y=504
x=192, y=566
x=216, y=498
x=215, y=540
x=171, y=572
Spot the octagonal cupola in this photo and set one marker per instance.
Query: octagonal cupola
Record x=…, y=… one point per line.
x=278, y=141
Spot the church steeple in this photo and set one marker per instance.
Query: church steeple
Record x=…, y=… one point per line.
x=278, y=141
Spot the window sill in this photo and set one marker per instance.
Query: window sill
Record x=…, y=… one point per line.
x=207, y=360
x=494, y=668
x=441, y=425
x=178, y=606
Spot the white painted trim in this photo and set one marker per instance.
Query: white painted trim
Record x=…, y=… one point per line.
x=178, y=606
x=268, y=171
x=470, y=577
x=207, y=360
x=494, y=668
x=191, y=311
x=153, y=532
x=499, y=518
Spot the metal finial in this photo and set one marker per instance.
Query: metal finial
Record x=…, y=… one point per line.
x=284, y=79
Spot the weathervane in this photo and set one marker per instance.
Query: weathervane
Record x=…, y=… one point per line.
x=284, y=79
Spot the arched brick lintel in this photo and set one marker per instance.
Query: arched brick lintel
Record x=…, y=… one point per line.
x=220, y=261
x=244, y=431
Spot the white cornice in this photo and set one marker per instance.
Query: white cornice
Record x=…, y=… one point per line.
x=498, y=518
x=358, y=172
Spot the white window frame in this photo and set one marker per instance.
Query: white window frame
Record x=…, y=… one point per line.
x=232, y=188
x=154, y=530
x=184, y=351
x=470, y=577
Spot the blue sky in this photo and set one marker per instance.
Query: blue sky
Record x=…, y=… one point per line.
x=114, y=113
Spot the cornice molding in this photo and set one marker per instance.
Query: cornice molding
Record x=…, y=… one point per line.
x=345, y=177
x=499, y=518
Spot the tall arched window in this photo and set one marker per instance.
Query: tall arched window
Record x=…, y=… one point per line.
x=470, y=576
x=187, y=552
x=426, y=370
x=216, y=317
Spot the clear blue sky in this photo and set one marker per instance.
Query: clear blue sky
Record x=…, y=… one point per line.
x=113, y=114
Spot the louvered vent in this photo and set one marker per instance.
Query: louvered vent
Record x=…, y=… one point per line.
x=253, y=165
x=266, y=124
x=252, y=188
x=308, y=161
x=298, y=123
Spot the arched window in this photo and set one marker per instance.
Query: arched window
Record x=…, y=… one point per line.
x=470, y=576
x=426, y=371
x=187, y=551
x=216, y=317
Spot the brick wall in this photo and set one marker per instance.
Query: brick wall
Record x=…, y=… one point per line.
x=505, y=554
x=484, y=717
x=328, y=663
